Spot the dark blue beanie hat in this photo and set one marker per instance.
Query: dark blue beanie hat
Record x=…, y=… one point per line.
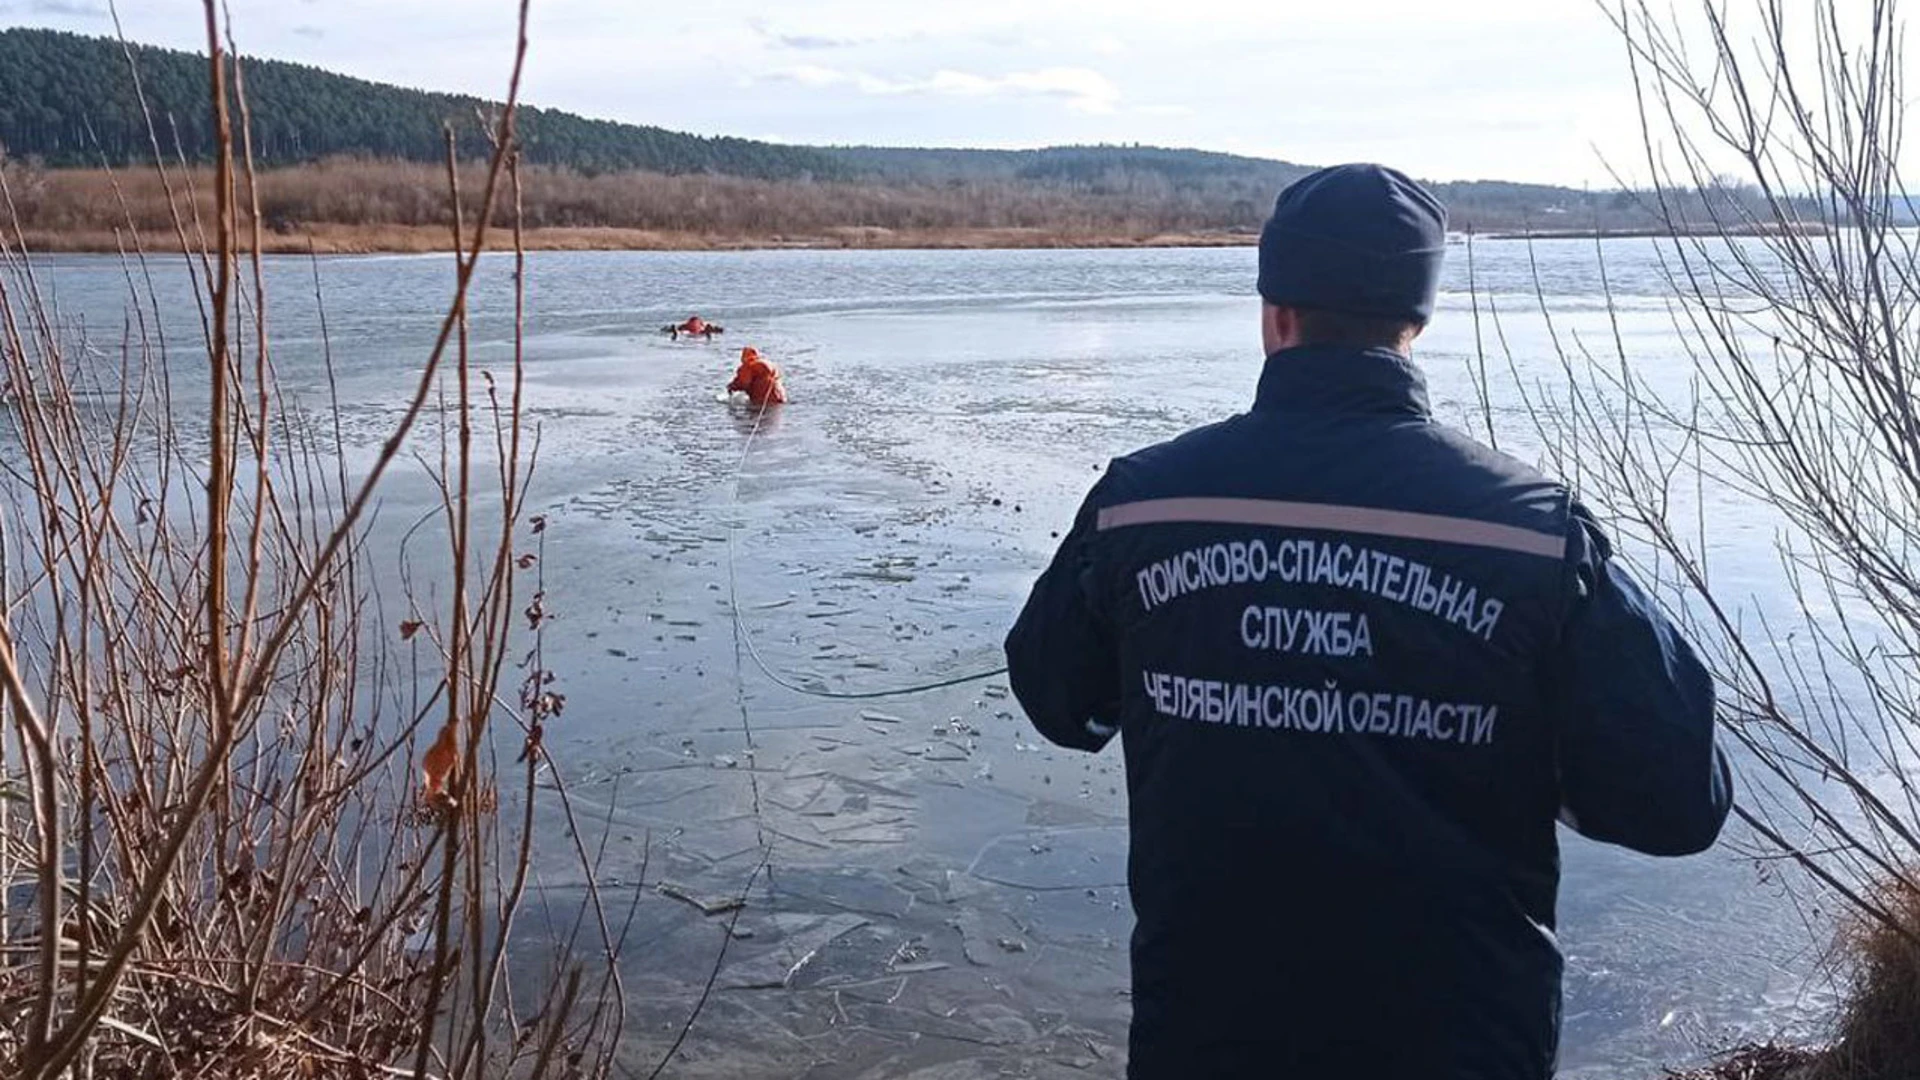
x=1360, y=239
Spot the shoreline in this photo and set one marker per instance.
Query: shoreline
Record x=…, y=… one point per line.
x=335, y=239
x=342, y=239
x=1650, y=233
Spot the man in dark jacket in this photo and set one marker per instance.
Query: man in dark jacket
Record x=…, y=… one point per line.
x=1359, y=665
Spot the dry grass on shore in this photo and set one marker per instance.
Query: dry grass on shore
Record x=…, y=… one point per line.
x=1879, y=1028
x=353, y=205
x=1762, y=1061
x=348, y=205
x=1877, y=1035
x=337, y=239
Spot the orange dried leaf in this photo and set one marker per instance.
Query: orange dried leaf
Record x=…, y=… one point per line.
x=409, y=628
x=436, y=767
x=526, y=560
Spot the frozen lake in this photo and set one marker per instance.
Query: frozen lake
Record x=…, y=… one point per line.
x=958, y=883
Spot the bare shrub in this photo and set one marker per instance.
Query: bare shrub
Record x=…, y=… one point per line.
x=258, y=828
x=1773, y=135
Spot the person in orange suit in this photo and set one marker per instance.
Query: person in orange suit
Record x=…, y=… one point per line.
x=759, y=379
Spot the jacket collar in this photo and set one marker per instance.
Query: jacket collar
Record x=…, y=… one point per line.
x=1333, y=379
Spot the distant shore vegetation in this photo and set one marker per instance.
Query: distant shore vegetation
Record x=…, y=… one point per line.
x=358, y=205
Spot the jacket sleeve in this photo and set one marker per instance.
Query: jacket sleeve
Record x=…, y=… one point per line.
x=739, y=381
x=1639, y=764
x=1061, y=654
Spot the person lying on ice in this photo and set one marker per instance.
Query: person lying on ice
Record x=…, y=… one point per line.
x=694, y=325
x=758, y=379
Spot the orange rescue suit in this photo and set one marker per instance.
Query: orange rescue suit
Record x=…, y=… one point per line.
x=759, y=379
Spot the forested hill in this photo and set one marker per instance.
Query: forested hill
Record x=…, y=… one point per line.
x=1239, y=189
x=68, y=101
x=1064, y=164
x=71, y=101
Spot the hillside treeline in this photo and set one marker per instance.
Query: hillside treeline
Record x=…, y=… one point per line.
x=69, y=100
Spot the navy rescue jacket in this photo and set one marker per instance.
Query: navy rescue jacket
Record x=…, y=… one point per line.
x=1359, y=665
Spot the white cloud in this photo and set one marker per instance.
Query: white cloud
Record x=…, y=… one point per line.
x=1081, y=89
x=809, y=75
x=66, y=7
x=1108, y=45
x=808, y=41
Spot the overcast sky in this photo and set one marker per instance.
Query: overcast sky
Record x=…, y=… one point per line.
x=1446, y=89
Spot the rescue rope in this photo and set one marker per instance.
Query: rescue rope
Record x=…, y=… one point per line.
x=746, y=635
